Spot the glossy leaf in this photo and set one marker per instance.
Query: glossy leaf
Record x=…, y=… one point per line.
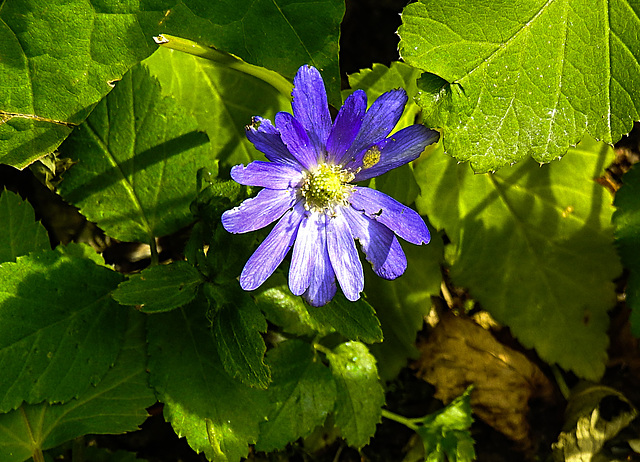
x=627, y=222
x=57, y=59
x=303, y=392
x=222, y=101
x=117, y=404
x=138, y=154
x=59, y=330
x=160, y=288
x=445, y=433
x=535, y=246
x=21, y=232
x=281, y=35
x=531, y=77
x=360, y=395
x=355, y=320
x=217, y=414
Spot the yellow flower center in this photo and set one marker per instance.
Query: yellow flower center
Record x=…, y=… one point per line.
x=326, y=186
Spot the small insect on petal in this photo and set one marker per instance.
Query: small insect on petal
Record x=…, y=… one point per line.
x=371, y=157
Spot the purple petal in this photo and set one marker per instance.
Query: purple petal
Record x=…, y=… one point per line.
x=346, y=126
x=266, y=138
x=400, y=219
x=378, y=243
x=379, y=120
x=400, y=148
x=267, y=174
x=310, y=104
x=259, y=211
x=311, y=273
x=297, y=140
x=344, y=257
x=272, y=251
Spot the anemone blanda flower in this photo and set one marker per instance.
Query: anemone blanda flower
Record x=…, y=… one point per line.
x=307, y=186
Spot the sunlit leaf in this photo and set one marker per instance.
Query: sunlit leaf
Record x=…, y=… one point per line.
x=303, y=392
x=57, y=59
x=511, y=79
x=138, y=154
x=535, y=246
x=21, y=232
x=355, y=320
x=60, y=331
x=360, y=396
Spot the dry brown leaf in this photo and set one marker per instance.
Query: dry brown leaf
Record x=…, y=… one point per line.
x=459, y=353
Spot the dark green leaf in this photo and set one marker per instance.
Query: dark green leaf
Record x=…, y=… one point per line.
x=217, y=414
x=360, y=395
x=627, y=222
x=21, y=232
x=280, y=35
x=446, y=432
x=60, y=331
x=303, y=392
x=355, y=320
x=221, y=100
x=138, y=155
x=529, y=77
x=117, y=404
x=57, y=60
x=160, y=288
x=236, y=333
x=535, y=246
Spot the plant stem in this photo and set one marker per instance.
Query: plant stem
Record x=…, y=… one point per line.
x=155, y=258
x=409, y=423
x=562, y=385
x=187, y=46
x=322, y=349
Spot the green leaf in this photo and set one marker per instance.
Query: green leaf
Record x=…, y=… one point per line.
x=355, y=320
x=60, y=331
x=21, y=232
x=218, y=415
x=402, y=304
x=160, y=288
x=236, y=334
x=287, y=311
x=627, y=222
x=522, y=78
x=138, y=155
x=222, y=101
x=360, y=395
x=446, y=432
x=57, y=60
x=535, y=246
x=280, y=35
x=303, y=392
x=116, y=405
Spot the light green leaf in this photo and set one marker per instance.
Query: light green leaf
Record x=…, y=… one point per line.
x=627, y=222
x=281, y=35
x=535, y=246
x=360, y=395
x=117, y=404
x=303, y=392
x=218, y=415
x=60, y=331
x=402, y=304
x=445, y=433
x=236, y=334
x=160, y=288
x=355, y=320
x=138, y=154
x=221, y=100
x=21, y=232
x=57, y=60
x=530, y=77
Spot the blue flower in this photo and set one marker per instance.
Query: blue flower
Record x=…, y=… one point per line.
x=308, y=186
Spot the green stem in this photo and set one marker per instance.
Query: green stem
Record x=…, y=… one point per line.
x=409, y=423
x=562, y=385
x=187, y=46
x=155, y=257
x=322, y=349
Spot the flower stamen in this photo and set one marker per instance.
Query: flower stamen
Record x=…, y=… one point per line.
x=325, y=187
